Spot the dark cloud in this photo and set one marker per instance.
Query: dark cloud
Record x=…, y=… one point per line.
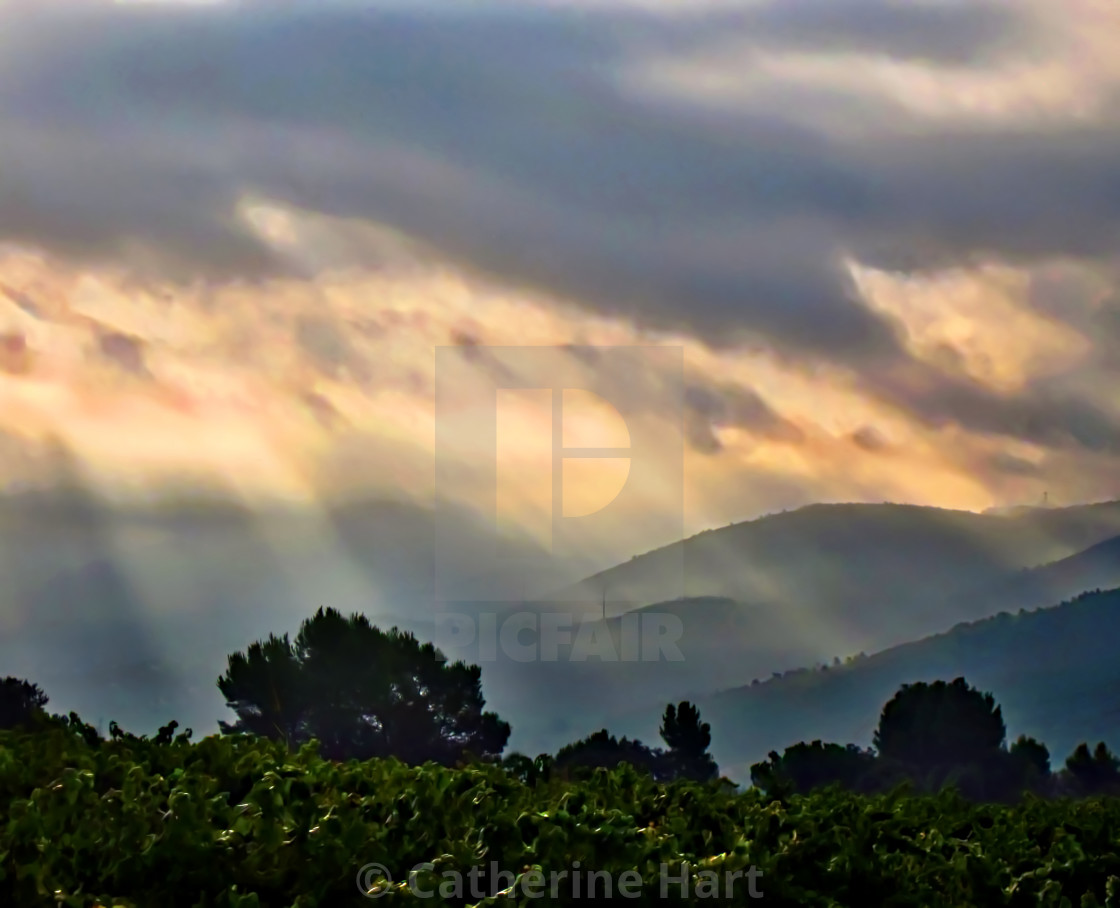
x=123, y=350
x=1018, y=193
x=1043, y=413
x=323, y=411
x=1104, y=325
x=15, y=355
x=21, y=299
x=1011, y=465
x=958, y=33
x=324, y=341
x=505, y=140
x=499, y=138
x=870, y=439
x=97, y=193
x=708, y=409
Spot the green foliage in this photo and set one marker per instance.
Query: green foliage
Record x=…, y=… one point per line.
x=165, y=735
x=361, y=692
x=233, y=821
x=73, y=722
x=527, y=769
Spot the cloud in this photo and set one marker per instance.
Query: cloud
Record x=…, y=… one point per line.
x=941, y=32
x=1014, y=466
x=500, y=137
x=530, y=142
x=869, y=439
x=709, y=409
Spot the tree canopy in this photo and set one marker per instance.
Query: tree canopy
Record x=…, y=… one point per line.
x=934, y=736
x=21, y=702
x=362, y=692
x=687, y=756
x=928, y=727
x=688, y=740
x=803, y=767
x=602, y=749
x=1093, y=773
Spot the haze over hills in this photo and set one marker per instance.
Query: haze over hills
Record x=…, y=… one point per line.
x=844, y=571
x=97, y=596
x=841, y=579
x=1053, y=670
x=281, y=279
x=725, y=638
x=1097, y=567
x=164, y=594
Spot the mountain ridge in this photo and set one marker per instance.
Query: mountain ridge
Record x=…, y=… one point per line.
x=1051, y=668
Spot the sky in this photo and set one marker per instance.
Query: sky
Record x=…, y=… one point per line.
x=882, y=237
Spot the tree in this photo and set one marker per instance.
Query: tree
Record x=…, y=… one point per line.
x=951, y=735
x=688, y=740
x=1091, y=774
x=603, y=750
x=932, y=730
x=361, y=692
x=1030, y=762
x=803, y=767
x=21, y=703
x=266, y=686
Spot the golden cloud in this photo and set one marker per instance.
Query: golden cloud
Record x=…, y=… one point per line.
x=298, y=388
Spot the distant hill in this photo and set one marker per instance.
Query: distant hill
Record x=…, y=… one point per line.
x=851, y=577
x=727, y=643
x=725, y=639
x=95, y=597
x=1097, y=567
x=1055, y=672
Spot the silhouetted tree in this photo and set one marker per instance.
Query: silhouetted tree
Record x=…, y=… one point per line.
x=1091, y=774
x=934, y=730
x=951, y=735
x=603, y=750
x=363, y=693
x=688, y=740
x=803, y=767
x=21, y=703
x=267, y=687
x=1030, y=765
x=930, y=736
